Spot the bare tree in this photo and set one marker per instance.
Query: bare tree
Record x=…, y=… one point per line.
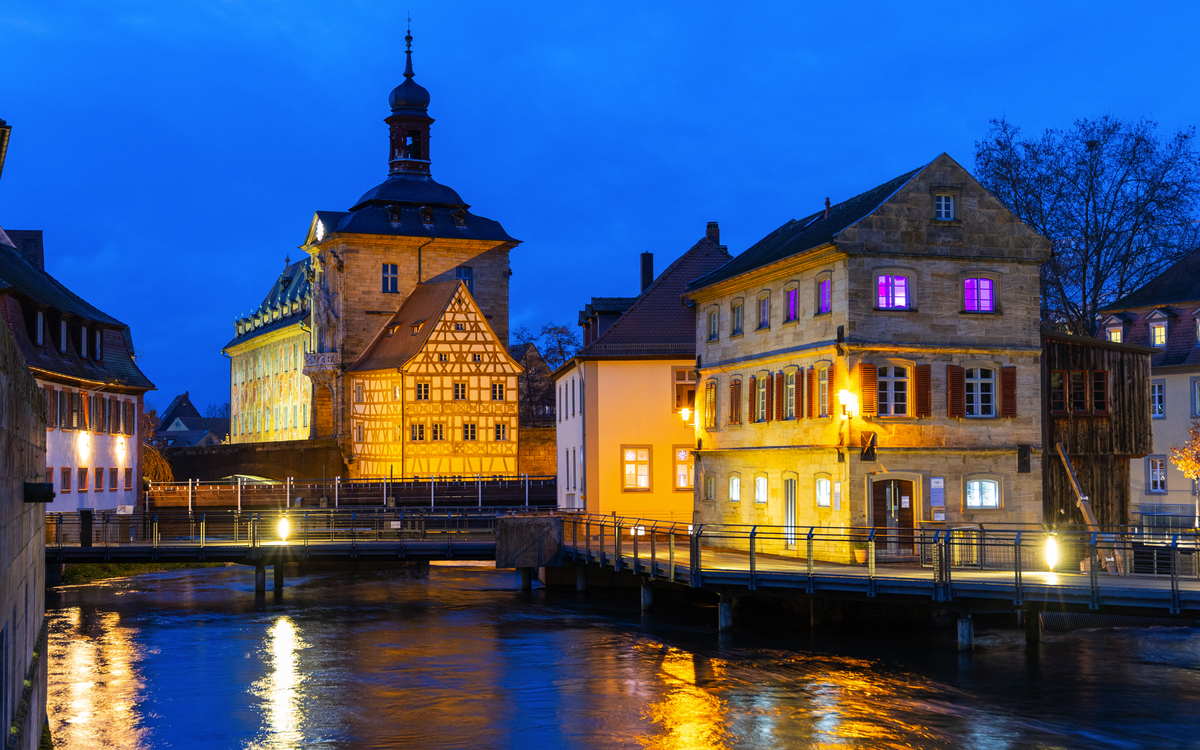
x=1115, y=200
x=217, y=410
x=559, y=344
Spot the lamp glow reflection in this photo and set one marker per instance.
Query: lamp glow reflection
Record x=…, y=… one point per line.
x=1051, y=552
x=83, y=444
x=121, y=449
x=283, y=527
x=849, y=402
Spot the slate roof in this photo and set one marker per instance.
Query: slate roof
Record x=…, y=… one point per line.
x=799, y=235
x=377, y=219
x=26, y=286
x=180, y=406
x=1178, y=284
x=657, y=323
x=1176, y=293
x=425, y=305
x=291, y=286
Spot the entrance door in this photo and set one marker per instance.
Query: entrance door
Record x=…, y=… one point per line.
x=892, y=512
x=789, y=511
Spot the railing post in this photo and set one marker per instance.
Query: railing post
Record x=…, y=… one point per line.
x=809, y=583
x=1017, y=569
x=697, y=558
x=479, y=479
x=937, y=565
x=1094, y=573
x=653, y=561
x=526, y=489
x=753, y=544
x=618, y=542
x=203, y=528
x=636, y=542
x=337, y=481
x=154, y=531
x=431, y=479
x=1176, y=601
x=239, y=495
x=603, y=552
x=671, y=555
x=189, y=499
x=871, y=562
x=587, y=541
x=948, y=556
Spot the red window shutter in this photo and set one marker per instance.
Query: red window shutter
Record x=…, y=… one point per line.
x=51, y=408
x=734, y=387
x=869, y=385
x=955, y=389
x=1008, y=391
x=833, y=389
x=812, y=391
x=923, y=376
x=779, y=396
x=753, y=406
x=768, y=387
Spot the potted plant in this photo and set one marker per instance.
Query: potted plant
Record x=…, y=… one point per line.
x=860, y=552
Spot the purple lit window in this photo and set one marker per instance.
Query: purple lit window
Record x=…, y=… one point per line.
x=893, y=292
x=791, y=305
x=824, y=296
x=978, y=295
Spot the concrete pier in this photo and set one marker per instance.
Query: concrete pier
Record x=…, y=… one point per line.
x=526, y=579
x=260, y=579
x=725, y=613
x=1033, y=627
x=581, y=578
x=278, y=567
x=647, y=596
x=966, y=633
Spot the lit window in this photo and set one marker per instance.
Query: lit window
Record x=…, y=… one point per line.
x=977, y=295
x=790, y=304
x=983, y=493
x=1158, y=399
x=502, y=432
x=1158, y=474
x=422, y=392
x=497, y=391
x=760, y=489
x=1158, y=334
x=395, y=393
x=391, y=278
x=683, y=468
x=789, y=395
x=823, y=392
x=764, y=312
x=712, y=325
x=760, y=398
x=824, y=296
x=944, y=208
x=358, y=433
x=893, y=292
x=460, y=391
x=636, y=468
x=1114, y=335
x=735, y=489
x=893, y=391
x=417, y=431
x=468, y=430
x=436, y=432
x=823, y=492
x=736, y=324
x=710, y=405
x=981, y=392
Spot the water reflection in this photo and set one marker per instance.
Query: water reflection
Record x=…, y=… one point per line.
x=280, y=689
x=690, y=717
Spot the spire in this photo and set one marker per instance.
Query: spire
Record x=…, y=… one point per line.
x=408, y=71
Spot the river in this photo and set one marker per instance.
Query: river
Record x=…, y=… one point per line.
x=464, y=659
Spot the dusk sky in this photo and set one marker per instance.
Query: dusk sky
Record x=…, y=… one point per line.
x=174, y=153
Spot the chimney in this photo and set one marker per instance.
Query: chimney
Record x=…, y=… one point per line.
x=5, y=132
x=28, y=243
x=713, y=232
x=647, y=270
x=826, y=208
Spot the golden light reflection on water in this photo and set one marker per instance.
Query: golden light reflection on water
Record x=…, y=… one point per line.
x=280, y=689
x=690, y=717
x=93, y=682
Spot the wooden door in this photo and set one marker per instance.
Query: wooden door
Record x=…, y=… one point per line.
x=892, y=504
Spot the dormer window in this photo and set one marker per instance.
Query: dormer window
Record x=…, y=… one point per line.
x=83, y=342
x=394, y=215
x=460, y=217
x=62, y=336
x=1113, y=334
x=1158, y=334
x=41, y=328
x=416, y=327
x=426, y=215
x=943, y=208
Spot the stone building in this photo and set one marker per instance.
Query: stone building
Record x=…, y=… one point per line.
x=905, y=318
x=289, y=358
x=435, y=394
x=1165, y=316
x=625, y=400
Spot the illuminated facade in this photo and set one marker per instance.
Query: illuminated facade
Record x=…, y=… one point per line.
x=907, y=316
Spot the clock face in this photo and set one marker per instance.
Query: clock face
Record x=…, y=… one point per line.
x=320, y=231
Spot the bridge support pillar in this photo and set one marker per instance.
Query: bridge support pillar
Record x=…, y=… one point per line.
x=725, y=613
x=581, y=578
x=1033, y=626
x=527, y=579
x=260, y=579
x=966, y=633
x=647, y=596
x=278, y=576
x=54, y=573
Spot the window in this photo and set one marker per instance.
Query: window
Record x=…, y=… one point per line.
x=760, y=398
x=760, y=489
x=893, y=292
x=65, y=482
x=128, y=479
x=823, y=492
x=358, y=432
x=981, y=392
x=83, y=342
x=1156, y=474
x=713, y=331
x=443, y=358
x=395, y=392
x=710, y=405
x=735, y=401
x=1113, y=335
x=685, y=389
x=468, y=431
x=735, y=328
x=98, y=486
x=635, y=468
x=1077, y=391
x=1100, y=391
x=460, y=391
x=497, y=391
x=436, y=432
x=824, y=296
x=82, y=475
x=502, y=432
x=977, y=295
x=422, y=391
x=735, y=488
x=358, y=393
x=417, y=432
x=983, y=493
x=112, y=480
x=1058, y=392
x=466, y=274
x=789, y=395
x=683, y=467
x=943, y=208
x=391, y=278
x=893, y=391
x=764, y=312
x=790, y=305
x=1158, y=399
x=823, y=392
x=304, y=413
x=62, y=336
x=41, y=328
x=458, y=326
x=710, y=488
x=476, y=357
x=1158, y=334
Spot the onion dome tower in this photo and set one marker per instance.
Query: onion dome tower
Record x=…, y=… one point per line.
x=409, y=122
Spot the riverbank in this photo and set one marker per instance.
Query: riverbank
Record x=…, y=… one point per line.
x=88, y=572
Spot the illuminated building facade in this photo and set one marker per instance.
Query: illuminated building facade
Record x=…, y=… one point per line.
x=624, y=403
x=907, y=316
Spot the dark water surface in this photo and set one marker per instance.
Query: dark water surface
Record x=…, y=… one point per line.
x=465, y=660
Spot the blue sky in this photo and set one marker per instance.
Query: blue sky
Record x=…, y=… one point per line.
x=173, y=153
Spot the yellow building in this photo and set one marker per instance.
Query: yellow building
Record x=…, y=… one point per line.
x=625, y=442
x=435, y=393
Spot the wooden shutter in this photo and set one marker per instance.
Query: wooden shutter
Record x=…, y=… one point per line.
x=869, y=386
x=831, y=391
x=1008, y=391
x=955, y=390
x=811, y=391
x=769, y=389
x=752, y=406
x=923, y=376
x=733, y=401
x=779, y=396
x=51, y=413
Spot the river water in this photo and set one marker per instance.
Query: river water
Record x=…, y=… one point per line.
x=464, y=659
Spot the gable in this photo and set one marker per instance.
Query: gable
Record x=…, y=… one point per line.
x=461, y=333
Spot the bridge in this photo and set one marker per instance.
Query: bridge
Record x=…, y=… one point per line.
x=274, y=460
x=966, y=571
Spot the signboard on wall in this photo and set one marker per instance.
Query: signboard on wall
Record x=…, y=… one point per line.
x=937, y=498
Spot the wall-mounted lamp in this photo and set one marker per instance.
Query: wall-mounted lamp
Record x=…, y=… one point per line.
x=849, y=403
x=83, y=445
x=686, y=413
x=121, y=449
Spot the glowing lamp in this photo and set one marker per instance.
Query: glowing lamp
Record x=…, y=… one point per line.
x=687, y=414
x=121, y=449
x=1051, y=552
x=283, y=528
x=83, y=444
x=848, y=401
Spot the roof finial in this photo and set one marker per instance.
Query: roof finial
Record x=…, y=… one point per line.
x=408, y=71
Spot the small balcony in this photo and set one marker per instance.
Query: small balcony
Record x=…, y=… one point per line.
x=322, y=364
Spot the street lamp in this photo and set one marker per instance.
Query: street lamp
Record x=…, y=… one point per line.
x=849, y=403
x=283, y=527
x=1051, y=551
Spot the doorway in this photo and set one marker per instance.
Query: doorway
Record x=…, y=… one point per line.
x=892, y=502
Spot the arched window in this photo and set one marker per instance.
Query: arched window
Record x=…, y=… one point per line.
x=823, y=491
x=982, y=493
x=760, y=488
x=735, y=488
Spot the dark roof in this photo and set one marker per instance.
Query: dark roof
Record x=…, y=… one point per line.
x=657, y=323
x=412, y=189
x=291, y=286
x=18, y=274
x=799, y=235
x=184, y=438
x=180, y=406
x=605, y=306
x=218, y=426
x=1179, y=284
x=377, y=219
x=425, y=305
x=1182, y=347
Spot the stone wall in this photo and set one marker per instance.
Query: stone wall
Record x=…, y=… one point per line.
x=300, y=459
x=536, y=454
x=22, y=575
